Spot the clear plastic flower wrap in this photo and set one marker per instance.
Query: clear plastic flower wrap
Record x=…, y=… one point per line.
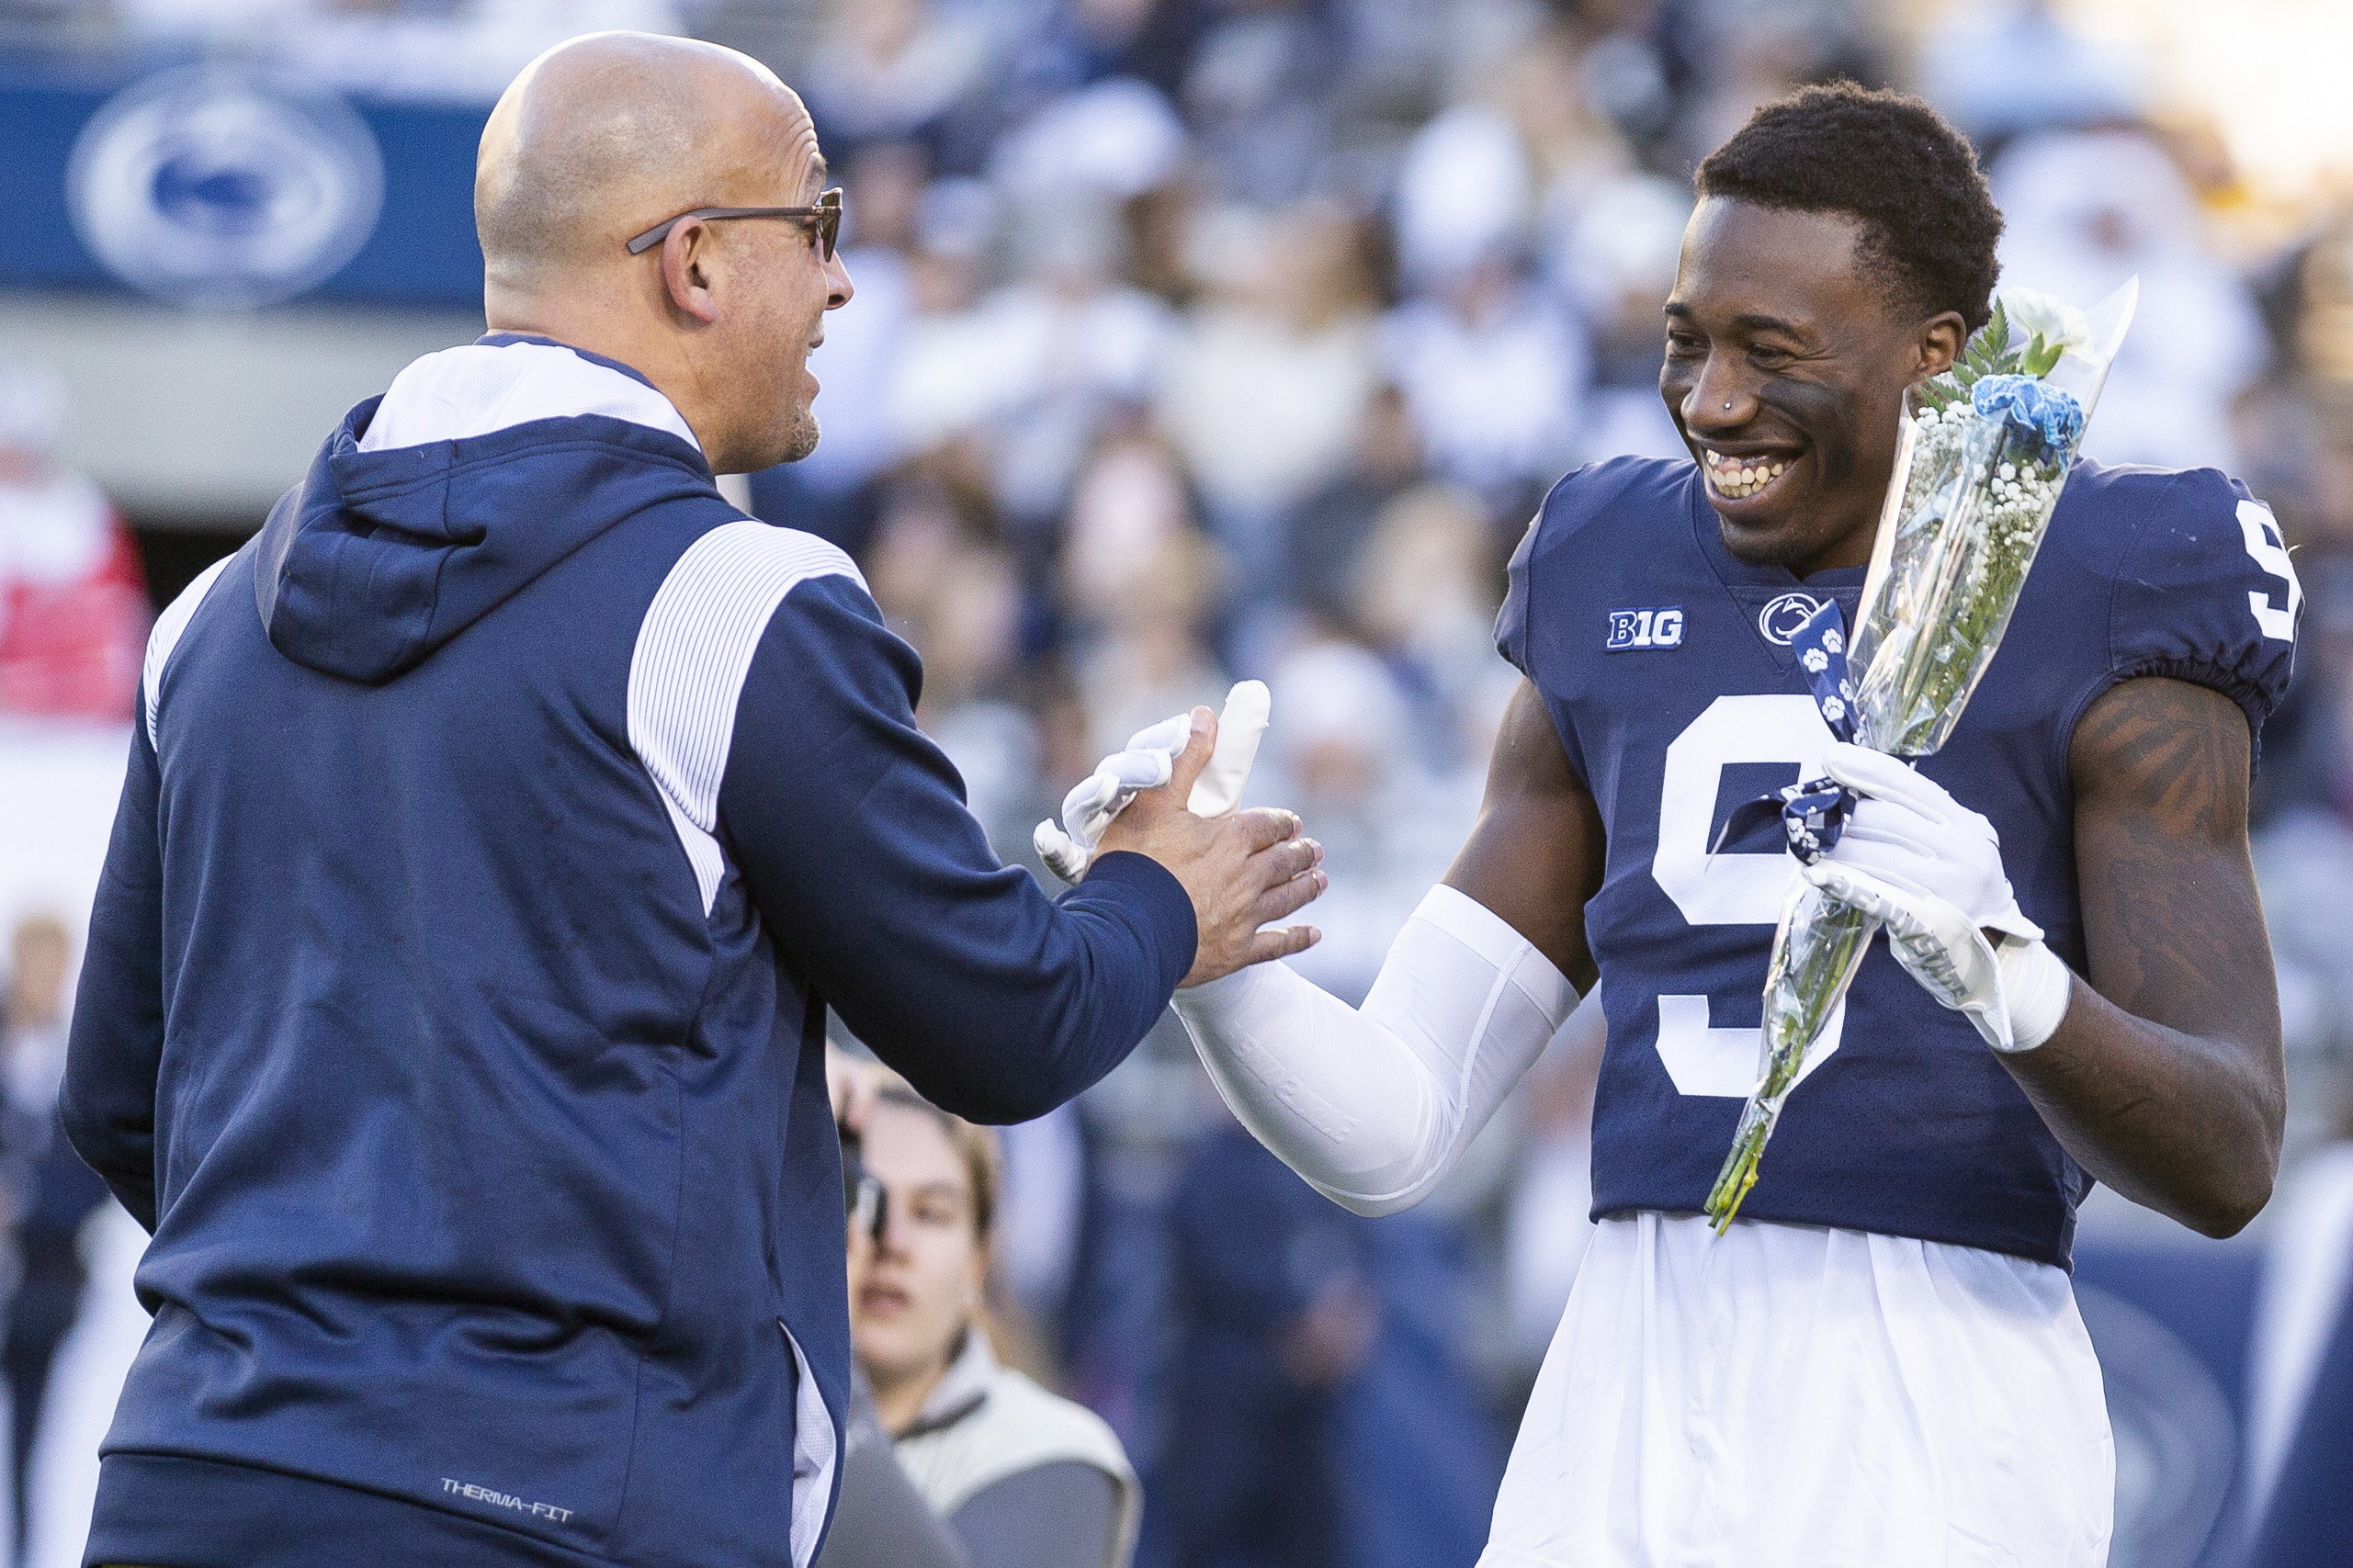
x=1980, y=463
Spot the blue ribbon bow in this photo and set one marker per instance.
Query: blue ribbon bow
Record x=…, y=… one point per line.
x=1814, y=813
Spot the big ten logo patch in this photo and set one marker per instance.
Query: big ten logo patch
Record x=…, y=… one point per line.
x=1645, y=629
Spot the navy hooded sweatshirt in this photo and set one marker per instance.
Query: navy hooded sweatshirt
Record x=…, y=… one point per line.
x=501, y=822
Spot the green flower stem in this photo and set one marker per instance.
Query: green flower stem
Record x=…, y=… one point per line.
x=1817, y=949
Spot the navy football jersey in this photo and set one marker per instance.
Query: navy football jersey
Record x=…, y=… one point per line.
x=1665, y=662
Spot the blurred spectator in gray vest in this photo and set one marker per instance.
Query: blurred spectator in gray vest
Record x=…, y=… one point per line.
x=74, y=610
x=1026, y=1479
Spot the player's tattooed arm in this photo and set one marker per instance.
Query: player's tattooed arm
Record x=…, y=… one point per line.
x=1535, y=855
x=2166, y=1079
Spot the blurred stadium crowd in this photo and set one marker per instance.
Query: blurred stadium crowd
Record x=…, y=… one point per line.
x=1198, y=340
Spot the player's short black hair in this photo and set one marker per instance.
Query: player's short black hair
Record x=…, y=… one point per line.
x=1891, y=162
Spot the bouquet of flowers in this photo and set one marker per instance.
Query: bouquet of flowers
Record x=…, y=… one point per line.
x=1984, y=453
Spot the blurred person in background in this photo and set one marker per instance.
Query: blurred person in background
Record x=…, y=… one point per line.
x=1387, y=707
x=1138, y=580
x=1037, y=370
x=881, y=1520
x=462, y=50
x=74, y=610
x=1493, y=368
x=945, y=583
x=1075, y=42
x=1318, y=1411
x=1270, y=1315
x=1423, y=596
x=2086, y=210
x=1383, y=771
x=1265, y=386
x=1259, y=92
x=1969, y=57
x=909, y=70
x=2299, y=1377
x=1611, y=257
x=1745, y=54
x=1344, y=751
x=50, y=1191
x=1547, y=1221
x=1026, y=1479
x=1325, y=533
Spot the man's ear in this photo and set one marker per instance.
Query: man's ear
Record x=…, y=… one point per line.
x=686, y=258
x=1939, y=342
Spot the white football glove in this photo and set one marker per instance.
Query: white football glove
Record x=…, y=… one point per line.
x=1910, y=830
x=1067, y=847
x=1930, y=869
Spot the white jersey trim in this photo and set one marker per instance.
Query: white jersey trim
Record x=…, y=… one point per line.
x=816, y=1446
x=169, y=627
x=482, y=388
x=694, y=653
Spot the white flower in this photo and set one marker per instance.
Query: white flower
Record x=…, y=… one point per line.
x=2030, y=311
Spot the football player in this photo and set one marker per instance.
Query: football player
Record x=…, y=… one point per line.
x=1881, y=1362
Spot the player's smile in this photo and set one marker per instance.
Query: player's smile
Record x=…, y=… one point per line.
x=1737, y=475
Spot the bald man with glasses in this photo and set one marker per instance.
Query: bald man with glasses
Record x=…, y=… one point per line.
x=501, y=823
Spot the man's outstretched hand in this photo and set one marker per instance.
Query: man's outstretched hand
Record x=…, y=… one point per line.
x=1242, y=871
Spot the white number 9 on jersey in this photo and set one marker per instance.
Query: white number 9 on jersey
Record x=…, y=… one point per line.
x=1728, y=889
x=2268, y=548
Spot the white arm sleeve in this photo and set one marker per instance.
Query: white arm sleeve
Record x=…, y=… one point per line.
x=1373, y=1107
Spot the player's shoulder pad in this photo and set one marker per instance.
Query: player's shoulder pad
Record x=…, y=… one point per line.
x=1614, y=490
x=2204, y=587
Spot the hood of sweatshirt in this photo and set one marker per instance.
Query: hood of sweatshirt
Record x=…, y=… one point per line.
x=478, y=470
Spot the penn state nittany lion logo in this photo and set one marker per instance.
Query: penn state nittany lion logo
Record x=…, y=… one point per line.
x=1781, y=619
x=210, y=185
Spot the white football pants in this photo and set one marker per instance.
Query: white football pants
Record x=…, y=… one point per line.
x=1786, y=1396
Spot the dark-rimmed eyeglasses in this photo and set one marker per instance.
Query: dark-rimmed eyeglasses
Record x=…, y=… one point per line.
x=827, y=212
